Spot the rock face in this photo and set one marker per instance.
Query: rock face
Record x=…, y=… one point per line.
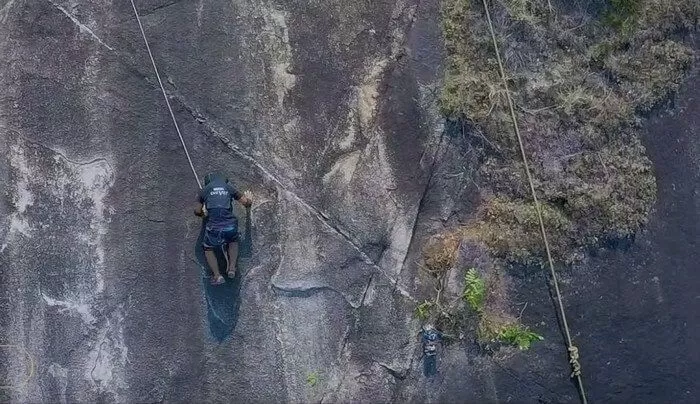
x=326, y=111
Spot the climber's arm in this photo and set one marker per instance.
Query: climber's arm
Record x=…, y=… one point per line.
x=242, y=198
x=199, y=208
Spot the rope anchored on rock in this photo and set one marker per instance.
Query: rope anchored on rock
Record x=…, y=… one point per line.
x=573, y=360
x=572, y=350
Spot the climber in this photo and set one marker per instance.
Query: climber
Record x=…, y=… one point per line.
x=215, y=202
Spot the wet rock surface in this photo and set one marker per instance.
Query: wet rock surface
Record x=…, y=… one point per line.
x=327, y=112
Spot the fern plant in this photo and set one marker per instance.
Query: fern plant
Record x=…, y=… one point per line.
x=424, y=309
x=474, y=290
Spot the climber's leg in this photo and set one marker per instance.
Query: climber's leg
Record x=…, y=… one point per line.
x=230, y=236
x=216, y=279
x=212, y=239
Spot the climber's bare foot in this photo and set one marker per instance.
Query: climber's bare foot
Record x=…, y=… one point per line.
x=217, y=280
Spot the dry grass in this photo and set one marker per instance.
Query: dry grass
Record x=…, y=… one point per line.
x=511, y=230
x=650, y=72
x=440, y=253
x=527, y=11
x=439, y=257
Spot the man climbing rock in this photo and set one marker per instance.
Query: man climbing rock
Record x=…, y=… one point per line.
x=215, y=201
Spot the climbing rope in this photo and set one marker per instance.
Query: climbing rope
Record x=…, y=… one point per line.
x=572, y=350
x=31, y=367
x=160, y=82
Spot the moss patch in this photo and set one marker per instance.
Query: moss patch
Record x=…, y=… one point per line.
x=511, y=230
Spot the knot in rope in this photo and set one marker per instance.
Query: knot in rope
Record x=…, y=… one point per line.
x=573, y=360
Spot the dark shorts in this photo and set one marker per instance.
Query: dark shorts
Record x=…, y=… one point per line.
x=219, y=236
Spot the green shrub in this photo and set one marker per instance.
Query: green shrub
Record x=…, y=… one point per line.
x=519, y=336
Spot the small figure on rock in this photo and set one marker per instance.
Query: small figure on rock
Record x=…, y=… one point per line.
x=430, y=337
x=215, y=202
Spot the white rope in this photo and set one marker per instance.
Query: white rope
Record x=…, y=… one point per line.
x=160, y=82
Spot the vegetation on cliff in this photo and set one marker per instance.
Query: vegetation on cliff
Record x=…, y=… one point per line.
x=579, y=83
x=581, y=76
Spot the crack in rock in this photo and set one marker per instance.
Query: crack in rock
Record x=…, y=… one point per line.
x=364, y=294
x=421, y=204
x=396, y=374
x=83, y=28
x=308, y=291
x=158, y=8
x=62, y=154
x=305, y=292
